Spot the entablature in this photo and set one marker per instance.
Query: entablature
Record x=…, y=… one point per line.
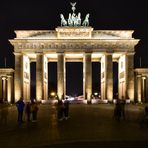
x=22, y=44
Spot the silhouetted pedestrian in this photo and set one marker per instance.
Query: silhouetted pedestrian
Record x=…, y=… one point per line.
x=20, y=107
x=60, y=109
x=34, y=110
x=117, y=110
x=122, y=103
x=28, y=111
x=66, y=108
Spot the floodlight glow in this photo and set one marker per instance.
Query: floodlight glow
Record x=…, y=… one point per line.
x=52, y=94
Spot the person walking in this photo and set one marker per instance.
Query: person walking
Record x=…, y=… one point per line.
x=34, y=110
x=20, y=107
x=66, y=108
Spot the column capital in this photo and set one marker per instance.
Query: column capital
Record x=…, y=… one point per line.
x=138, y=76
x=129, y=53
x=108, y=53
x=144, y=77
x=87, y=53
x=17, y=53
x=39, y=53
x=9, y=76
x=60, y=53
x=4, y=78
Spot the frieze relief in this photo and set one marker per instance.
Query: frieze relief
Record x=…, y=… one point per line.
x=70, y=45
x=74, y=34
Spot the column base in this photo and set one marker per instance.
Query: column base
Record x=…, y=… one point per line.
x=89, y=102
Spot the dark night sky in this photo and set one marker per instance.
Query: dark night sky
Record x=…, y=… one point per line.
x=104, y=14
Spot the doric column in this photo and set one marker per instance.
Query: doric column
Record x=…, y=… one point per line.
x=87, y=72
x=18, y=77
x=126, y=76
x=143, y=98
x=107, y=77
x=1, y=97
x=130, y=76
x=4, y=85
x=60, y=75
x=64, y=77
x=139, y=88
x=45, y=77
x=26, y=77
x=39, y=76
x=10, y=89
x=146, y=89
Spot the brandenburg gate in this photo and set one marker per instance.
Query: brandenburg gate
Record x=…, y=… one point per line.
x=73, y=42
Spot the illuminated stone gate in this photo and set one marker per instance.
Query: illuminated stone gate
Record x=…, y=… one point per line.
x=74, y=41
x=74, y=44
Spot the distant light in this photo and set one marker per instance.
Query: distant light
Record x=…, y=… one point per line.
x=70, y=98
x=52, y=94
x=96, y=93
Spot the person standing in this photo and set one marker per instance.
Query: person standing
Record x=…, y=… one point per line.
x=117, y=110
x=34, y=110
x=123, y=108
x=60, y=109
x=28, y=111
x=66, y=108
x=20, y=107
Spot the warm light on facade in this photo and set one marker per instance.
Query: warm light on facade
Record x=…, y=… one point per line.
x=53, y=94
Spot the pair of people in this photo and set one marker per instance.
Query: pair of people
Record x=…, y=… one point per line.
x=30, y=108
x=63, y=109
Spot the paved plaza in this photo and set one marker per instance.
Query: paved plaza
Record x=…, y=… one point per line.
x=88, y=126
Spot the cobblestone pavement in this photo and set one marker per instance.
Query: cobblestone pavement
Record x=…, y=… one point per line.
x=88, y=126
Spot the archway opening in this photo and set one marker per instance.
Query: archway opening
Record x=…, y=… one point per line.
x=52, y=79
x=96, y=84
x=74, y=79
x=115, y=79
x=33, y=80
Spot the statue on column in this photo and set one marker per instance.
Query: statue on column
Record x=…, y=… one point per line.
x=63, y=21
x=79, y=19
x=86, y=20
x=73, y=6
x=73, y=19
x=70, y=21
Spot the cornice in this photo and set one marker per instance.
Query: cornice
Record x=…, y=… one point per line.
x=74, y=44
